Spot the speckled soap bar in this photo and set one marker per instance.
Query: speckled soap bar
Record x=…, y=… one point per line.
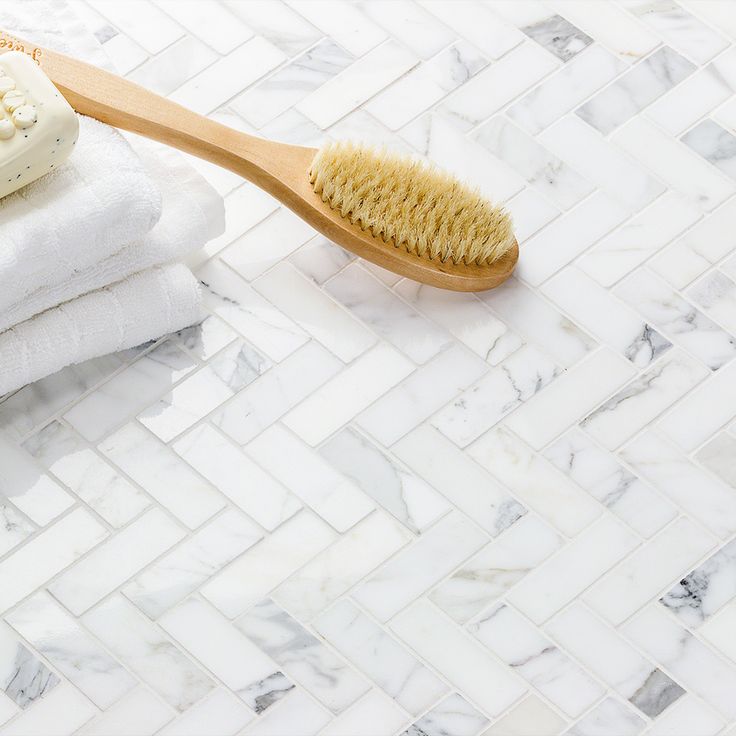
x=38, y=127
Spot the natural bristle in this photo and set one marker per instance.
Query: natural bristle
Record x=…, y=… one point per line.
x=410, y=204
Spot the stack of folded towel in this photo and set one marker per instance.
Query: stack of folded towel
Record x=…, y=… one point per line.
x=88, y=254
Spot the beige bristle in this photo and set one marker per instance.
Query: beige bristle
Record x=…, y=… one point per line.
x=411, y=204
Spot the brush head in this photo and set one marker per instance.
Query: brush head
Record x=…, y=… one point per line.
x=410, y=204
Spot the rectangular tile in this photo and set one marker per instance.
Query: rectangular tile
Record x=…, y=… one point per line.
x=532, y=655
x=549, y=413
x=454, y=712
x=140, y=712
x=674, y=163
x=628, y=587
x=314, y=312
x=305, y=659
x=670, y=472
x=163, y=474
x=221, y=712
x=224, y=465
x=467, y=665
x=311, y=478
x=643, y=399
x=255, y=573
x=534, y=481
x=177, y=574
x=299, y=715
x=549, y=587
x=558, y=36
x=715, y=144
x=615, y=174
x=356, y=84
x=373, y=651
x=677, y=318
x=459, y=479
x=715, y=294
x=633, y=91
x=373, y=715
x=235, y=660
x=718, y=456
x=527, y=715
x=142, y=647
x=407, y=575
x=332, y=405
x=116, y=560
x=490, y=573
x=47, y=554
x=403, y=407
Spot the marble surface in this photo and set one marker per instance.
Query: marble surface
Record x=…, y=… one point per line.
x=347, y=504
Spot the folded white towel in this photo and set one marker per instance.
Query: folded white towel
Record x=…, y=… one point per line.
x=193, y=213
x=140, y=308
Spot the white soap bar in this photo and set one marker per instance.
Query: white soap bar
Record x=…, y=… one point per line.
x=38, y=128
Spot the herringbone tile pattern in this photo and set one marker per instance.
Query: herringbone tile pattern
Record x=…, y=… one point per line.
x=349, y=504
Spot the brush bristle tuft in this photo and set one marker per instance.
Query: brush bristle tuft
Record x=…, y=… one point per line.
x=411, y=204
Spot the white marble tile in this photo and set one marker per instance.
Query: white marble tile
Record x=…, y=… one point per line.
x=207, y=338
x=543, y=325
x=276, y=94
x=549, y=587
x=534, y=481
x=652, y=567
x=674, y=163
x=164, y=475
x=558, y=36
x=570, y=86
x=675, y=476
x=686, y=658
x=336, y=402
x=465, y=317
x=601, y=474
x=715, y=294
x=14, y=528
x=718, y=456
x=411, y=24
x=320, y=259
x=528, y=652
x=701, y=592
x=605, y=316
x=550, y=176
x=414, y=399
x=299, y=715
x=47, y=554
x=372, y=715
x=143, y=648
x=620, y=177
x=610, y=657
x=177, y=574
x=643, y=399
x=304, y=658
x=503, y=389
x=356, y=84
x=630, y=245
x=547, y=414
x=130, y=391
x=228, y=296
x=459, y=479
x=416, y=568
x=703, y=411
x=676, y=26
x=147, y=25
x=220, y=712
x=413, y=501
x=140, y=712
x=235, y=660
x=314, y=312
x=441, y=140
x=425, y=85
x=114, y=561
x=466, y=664
x=28, y=487
x=224, y=465
x=689, y=716
x=718, y=631
x=312, y=479
x=490, y=573
x=715, y=144
x=677, y=318
x=530, y=212
x=271, y=396
x=379, y=656
x=332, y=572
x=609, y=718
x=255, y=573
x=530, y=716
x=222, y=80
x=634, y=90
x=519, y=70
x=60, y=638
x=453, y=715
